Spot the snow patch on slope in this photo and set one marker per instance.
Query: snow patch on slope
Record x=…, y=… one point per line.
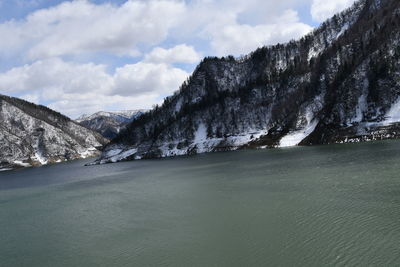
x=39, y=154
x=117, y=154
x=22, y=164
x=343, y=30
x=295, y=138
x=361, y=108
x=315, y=51
x=393, y=115
x=87, y=153
x=178, y=105
x=200, y=137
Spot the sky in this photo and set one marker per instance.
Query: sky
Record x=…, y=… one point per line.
x=83, y=56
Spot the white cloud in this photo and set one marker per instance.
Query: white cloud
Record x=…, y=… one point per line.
x=82, y=27
x=322, y=9
x=54, y=76
x=237, y=27
x=178, y=54
x=236, y=39
x=74, y=88
x=144, y=78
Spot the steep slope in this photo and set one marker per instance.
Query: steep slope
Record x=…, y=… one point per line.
x=109, y=124
x=32, y=135
x=341, y=83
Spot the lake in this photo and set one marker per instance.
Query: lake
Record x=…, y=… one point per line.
x=307, y=206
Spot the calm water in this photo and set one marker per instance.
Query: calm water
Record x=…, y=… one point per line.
x=315, y=206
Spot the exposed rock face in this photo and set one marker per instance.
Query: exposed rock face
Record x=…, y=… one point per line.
x=109, y=124
x=32, y=135
x=341, y=83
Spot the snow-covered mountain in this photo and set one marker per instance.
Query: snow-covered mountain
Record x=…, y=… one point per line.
x=32, y=135
x=340, y=83
x=109, y=124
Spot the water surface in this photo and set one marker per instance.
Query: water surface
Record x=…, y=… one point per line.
x=315, y=206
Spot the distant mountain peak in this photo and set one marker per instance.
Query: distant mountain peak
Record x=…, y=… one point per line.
x=109, y=123
x=122, y=113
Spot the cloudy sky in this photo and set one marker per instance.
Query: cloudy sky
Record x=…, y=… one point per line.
x=84, y=56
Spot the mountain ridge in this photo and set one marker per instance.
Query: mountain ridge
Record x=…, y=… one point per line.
x=34, y=135
x=339, y=83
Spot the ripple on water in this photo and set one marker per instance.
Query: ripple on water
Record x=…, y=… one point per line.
x=314, y=206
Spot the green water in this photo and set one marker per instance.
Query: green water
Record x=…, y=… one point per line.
x=315, y=206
